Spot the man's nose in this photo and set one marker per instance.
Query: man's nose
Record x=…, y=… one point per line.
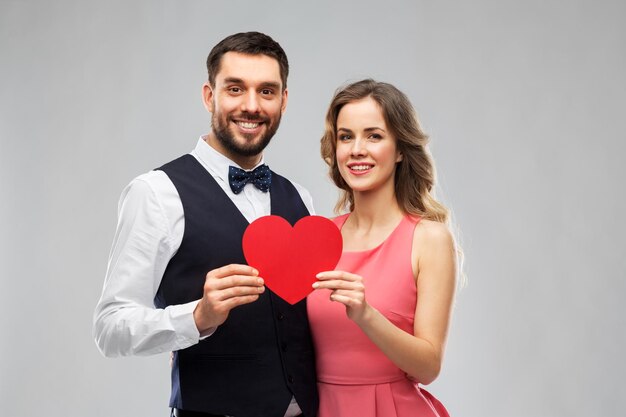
x=250, y=103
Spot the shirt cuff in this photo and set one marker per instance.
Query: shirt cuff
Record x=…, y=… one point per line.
x=185, y=325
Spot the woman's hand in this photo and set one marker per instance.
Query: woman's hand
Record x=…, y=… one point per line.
x=347, y=289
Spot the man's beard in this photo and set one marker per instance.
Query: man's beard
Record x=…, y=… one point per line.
x=226, y=138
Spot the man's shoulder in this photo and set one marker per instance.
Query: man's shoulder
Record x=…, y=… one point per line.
x=155, y=184
x=178, y=163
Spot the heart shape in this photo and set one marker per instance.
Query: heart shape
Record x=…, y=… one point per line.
x=288, y=258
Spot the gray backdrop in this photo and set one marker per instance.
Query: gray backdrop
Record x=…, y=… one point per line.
x=524, y=101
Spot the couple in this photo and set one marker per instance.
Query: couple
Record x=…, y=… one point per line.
x=177, y=279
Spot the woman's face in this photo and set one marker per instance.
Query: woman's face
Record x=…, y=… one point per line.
x=366, y=150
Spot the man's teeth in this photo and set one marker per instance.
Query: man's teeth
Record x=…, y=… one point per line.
x=360, y=167
x=248, y=125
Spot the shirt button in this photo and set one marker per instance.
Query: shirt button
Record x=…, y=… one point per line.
x=280, y=316
x=290, y=379
x=284, y=347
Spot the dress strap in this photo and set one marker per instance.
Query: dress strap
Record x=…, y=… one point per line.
x=340, y=220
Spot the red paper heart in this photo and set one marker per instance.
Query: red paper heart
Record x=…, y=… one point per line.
x=288, y=258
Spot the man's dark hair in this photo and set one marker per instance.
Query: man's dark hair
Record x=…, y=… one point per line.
x=253, y=43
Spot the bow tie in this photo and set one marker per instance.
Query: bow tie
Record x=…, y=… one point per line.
x=261, y=177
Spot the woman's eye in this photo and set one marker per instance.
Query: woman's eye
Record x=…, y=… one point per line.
x=344, y=137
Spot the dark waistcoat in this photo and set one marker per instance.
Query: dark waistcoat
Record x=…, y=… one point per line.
x=263, y=354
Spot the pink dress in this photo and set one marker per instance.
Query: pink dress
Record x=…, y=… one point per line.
x=354, y=377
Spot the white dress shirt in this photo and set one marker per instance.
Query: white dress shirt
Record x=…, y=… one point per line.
x=149, y=232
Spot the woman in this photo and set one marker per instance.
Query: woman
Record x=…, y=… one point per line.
x=380, y=320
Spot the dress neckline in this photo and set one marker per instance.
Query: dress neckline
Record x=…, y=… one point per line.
x=342, y=220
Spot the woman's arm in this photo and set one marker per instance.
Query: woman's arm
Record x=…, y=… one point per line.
x=434, y=263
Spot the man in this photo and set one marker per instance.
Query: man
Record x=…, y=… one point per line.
x=177, y=279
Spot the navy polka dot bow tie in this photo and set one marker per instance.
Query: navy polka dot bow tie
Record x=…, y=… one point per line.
x=261, y=177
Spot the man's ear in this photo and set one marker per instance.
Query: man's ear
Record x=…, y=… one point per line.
x=284, y=105
x=207, y=97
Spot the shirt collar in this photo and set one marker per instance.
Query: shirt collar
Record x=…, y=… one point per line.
x=215, y=161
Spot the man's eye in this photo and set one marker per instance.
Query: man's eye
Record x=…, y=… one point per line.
x=234, y=89
x=267, y=91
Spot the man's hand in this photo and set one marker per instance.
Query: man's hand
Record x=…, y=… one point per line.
x=224, y=289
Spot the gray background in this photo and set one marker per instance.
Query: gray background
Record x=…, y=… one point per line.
x=524, y=102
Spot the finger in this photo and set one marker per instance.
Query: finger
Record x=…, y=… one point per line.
x=339, y=285
x=213, y=283
x=238, y=301
x=345, y=300
x=347, y=276
x=236, y=292
x=233, y=269
x=357, y=297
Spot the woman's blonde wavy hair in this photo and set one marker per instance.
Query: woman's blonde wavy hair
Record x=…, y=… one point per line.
x=415, y=173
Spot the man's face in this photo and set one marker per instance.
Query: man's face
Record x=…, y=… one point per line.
x=246, y=103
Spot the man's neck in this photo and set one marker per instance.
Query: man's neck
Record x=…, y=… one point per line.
x=245, y=162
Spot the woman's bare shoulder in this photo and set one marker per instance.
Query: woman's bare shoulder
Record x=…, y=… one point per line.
x=432, y=233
